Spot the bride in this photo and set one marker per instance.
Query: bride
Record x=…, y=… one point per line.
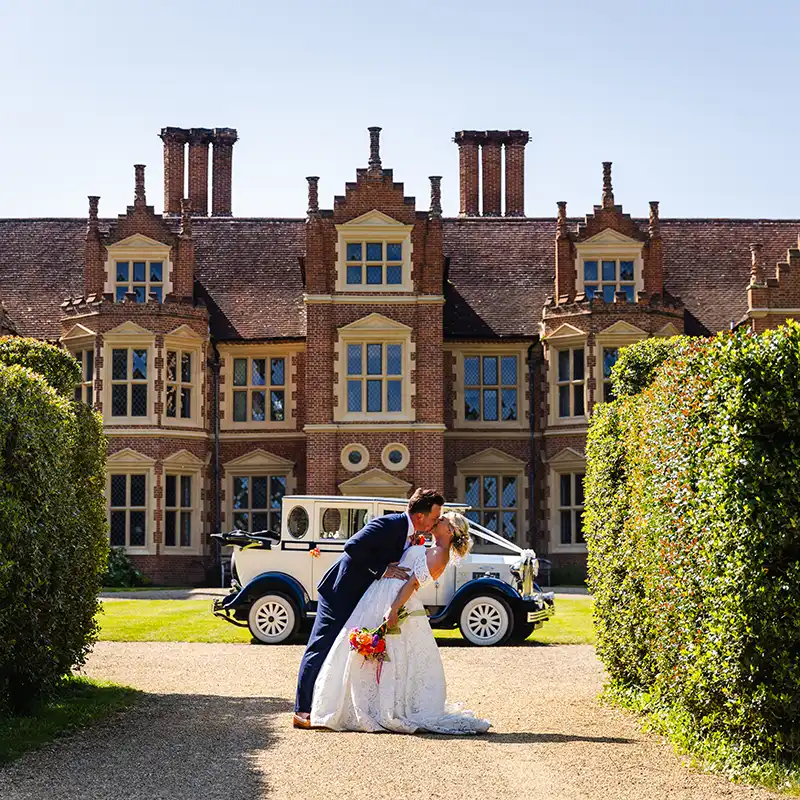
x=411, y=694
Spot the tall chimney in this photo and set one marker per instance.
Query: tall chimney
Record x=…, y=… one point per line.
x=174, y=145
x=199, y=140
x=467, y=142
x=515, y=173
x=492, y=173
x=139, y=197
x=222, y=171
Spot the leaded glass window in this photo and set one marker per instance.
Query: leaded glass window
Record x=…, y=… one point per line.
x=180, y=386
x=374, y=377
x=610, y=356
x=570, y=507
x=128, y=510
x=374, y=263
x=490, y=388
x=143, y=278
x=494, y=501
x=257, y=502
x=178, y=510
x=259, y=389
x=570, y=379
x=129, y=381
x=84, y=391
x=605, y=277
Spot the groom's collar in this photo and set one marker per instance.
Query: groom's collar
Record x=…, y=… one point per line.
x=411, y=529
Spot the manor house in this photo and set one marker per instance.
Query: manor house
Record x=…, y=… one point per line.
x=369, y=347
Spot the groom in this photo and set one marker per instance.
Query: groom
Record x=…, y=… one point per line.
x=371, y=553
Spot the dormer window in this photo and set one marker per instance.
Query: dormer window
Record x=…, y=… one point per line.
x=143, y=278
x=374, y=263
x=605, y=277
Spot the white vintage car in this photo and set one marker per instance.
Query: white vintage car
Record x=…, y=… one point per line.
x=493, y=599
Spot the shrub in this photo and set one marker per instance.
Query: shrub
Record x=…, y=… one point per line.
x=121, y=571
x=53, y=538
x=693, y=532
x=637, y=364
x=56, y=366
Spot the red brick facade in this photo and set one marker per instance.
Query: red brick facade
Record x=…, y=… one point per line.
x=275, y=296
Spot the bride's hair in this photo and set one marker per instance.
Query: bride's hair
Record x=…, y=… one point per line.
x=459, y=524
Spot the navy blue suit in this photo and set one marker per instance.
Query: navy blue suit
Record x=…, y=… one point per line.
x=365, y=558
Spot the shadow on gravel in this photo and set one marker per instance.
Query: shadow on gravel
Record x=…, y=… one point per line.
x=535, y=738
x=180, y=747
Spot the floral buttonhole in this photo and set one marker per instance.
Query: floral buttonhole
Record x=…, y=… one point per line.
x=420, y=539
x=314, y=553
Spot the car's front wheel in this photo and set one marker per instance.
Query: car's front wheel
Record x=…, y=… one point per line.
x=273, y=618
x=486, y=621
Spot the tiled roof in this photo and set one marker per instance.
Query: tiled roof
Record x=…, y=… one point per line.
x=500, y=272
x=249, y=270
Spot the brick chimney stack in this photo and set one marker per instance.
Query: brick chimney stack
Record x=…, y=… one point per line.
x=467, y=142
x=139, y=197
x=313, y=195
x=608, y=190
x=222, y=171
x=199, y=140
x=515, y=173
x=174, y=144
x=436, y=197
x=94, y=267
x=491, y=180
x=374, y=150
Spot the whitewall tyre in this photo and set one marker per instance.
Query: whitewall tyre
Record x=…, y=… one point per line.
x=273, y=619
x=486, y=621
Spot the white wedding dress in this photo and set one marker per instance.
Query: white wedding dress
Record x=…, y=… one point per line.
x=411, y=696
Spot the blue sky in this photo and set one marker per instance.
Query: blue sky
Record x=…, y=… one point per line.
x=696, y=103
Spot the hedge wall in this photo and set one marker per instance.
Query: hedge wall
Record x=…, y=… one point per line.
x=693, y=531
x=53, y=538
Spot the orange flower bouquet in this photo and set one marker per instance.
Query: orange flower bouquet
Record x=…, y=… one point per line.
x=371, y=642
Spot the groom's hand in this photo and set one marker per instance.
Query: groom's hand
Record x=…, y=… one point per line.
x=393, y=571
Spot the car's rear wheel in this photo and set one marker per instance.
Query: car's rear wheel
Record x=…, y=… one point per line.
x=486, y=621
x=273, y=618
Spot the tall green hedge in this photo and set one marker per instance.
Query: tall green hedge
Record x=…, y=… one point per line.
x=53, y=538
x=693, y=532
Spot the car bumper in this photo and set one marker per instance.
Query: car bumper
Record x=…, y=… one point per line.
x=540, y=608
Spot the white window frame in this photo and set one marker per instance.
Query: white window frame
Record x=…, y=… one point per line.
x=566, y=462
x=138, y=248
x=133, y=337
x=184, y=340
x=228, y=356
x=77, y=341
x=489, y=463
x=129, y=462
x=610, y=246
x=459, y=394
x=374, y=329
x=184, y=463
x=373, y=226
x=256, y=463
x=566, y=337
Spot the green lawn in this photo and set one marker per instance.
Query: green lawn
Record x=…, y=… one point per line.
x=192, y=621
x=79, y=703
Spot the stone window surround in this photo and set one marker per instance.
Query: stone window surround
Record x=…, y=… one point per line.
x=354, y=447
x=187, y=340
x=609, y=245
x=184, y=463
x=493, y=461
x=565, y=337
x=403, y=463
x=377, y=227
x=619, y=334
x=373, y=329
x=129, y=462
x=567, y=461
x=459, y=351
x=77, y=339
x=132, y=336
x=138, y=248
x=267, y=351
x=257, y=462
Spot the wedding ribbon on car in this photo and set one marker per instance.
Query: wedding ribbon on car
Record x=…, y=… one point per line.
x=527, y=564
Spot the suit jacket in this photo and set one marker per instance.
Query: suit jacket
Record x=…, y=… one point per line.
x=366, y=556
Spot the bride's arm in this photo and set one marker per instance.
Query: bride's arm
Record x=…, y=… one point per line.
x=436, y=561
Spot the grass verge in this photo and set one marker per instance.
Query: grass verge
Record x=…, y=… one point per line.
x=703, y=752
x=79, y=703
x=192, y=621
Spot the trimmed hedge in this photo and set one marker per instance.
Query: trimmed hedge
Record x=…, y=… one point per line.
x=693, y=531
x=53, y=537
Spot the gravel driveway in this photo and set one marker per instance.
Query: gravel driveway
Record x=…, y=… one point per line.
x=216, y=724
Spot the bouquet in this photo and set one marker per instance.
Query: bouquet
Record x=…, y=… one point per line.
x=371, y=642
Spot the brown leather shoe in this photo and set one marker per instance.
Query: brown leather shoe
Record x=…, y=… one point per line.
x=301, y=722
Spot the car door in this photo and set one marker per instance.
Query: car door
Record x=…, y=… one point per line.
x=334, y=524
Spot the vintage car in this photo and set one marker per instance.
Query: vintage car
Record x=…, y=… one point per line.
x=492, y=598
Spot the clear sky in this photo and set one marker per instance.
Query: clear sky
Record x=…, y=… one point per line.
x=696, y=103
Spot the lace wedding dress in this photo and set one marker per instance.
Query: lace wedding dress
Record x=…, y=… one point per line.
x=411, y=695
